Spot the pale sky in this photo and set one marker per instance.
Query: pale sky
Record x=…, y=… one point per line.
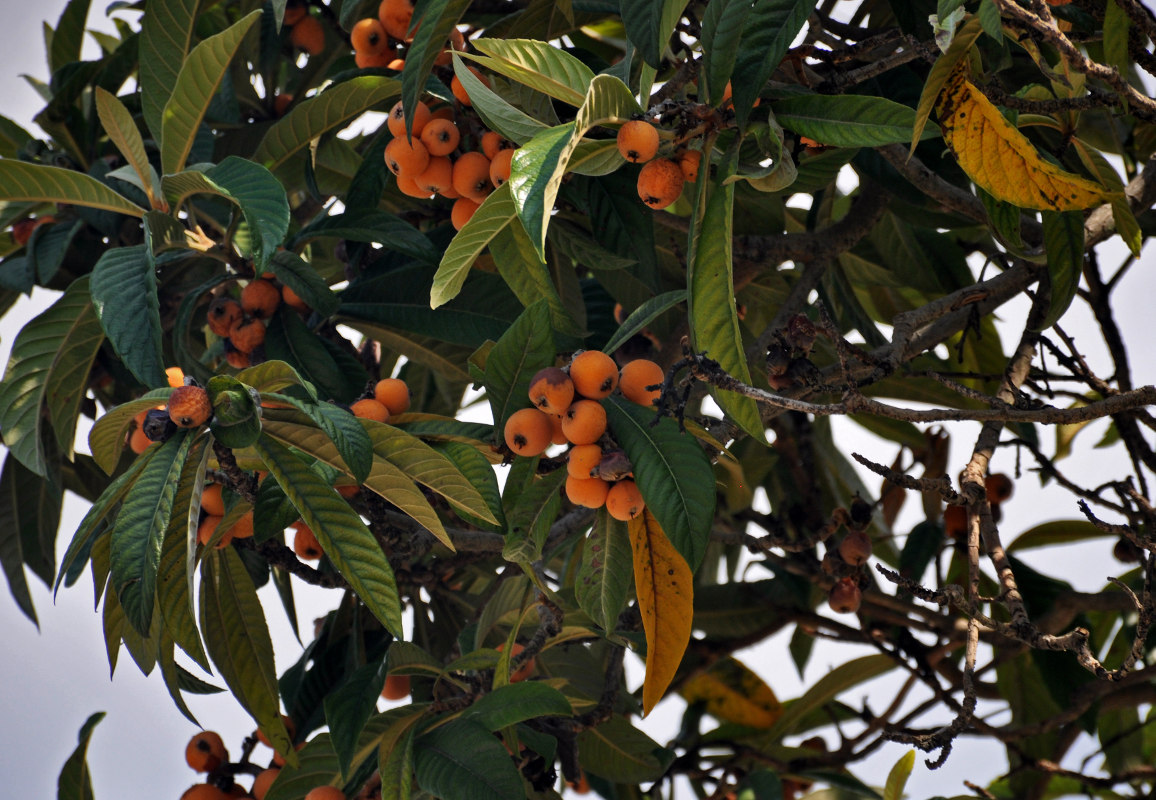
x=56, y=678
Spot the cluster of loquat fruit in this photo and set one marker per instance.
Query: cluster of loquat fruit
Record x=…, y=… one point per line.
x=997, y=486
x=567, y=410
x=241, y=322
x=206, y=753
x=382, y=41
x=661, y=180
x=189, y=406
x=847, y=560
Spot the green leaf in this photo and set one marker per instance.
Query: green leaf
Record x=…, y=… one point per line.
x=714, y=319
x=528, y=276
x=68, y=35
x=252, y=188
x=395, y=757
x=106, y=438
x=722, y=29
x=960, y=45
x=124, y=291
x=1060, y=531
x=526, y=347
x=45, y=366
x=430, y=33
x=492, y=216
x=287, y=338
x=238, y=641
x=316, y=766
x=273, y=376
x=348, y=708
x=121, y=129
x=17, y=514
x=620, y=753
x=1116, y=25
x=529, y=519
x=140, y=528
x=770, y=28
x=1064, y=246
x=462, y=760
x=166, y=34
x=847, y=120
x=21, y=181
x=192, y=92
x=538, y=65
x=642, y=316
x=236, y=418
x=605, y=576
x=302, y=278
x=75, y=782
x=518, y=702
x=495, y=111
x=12, y=138
x=574, y=243
x=370, y=225
x=897, y=777
x=313, y=117
x=343, y=429
x=672, y=472
x=649, y=25
x=343, y=536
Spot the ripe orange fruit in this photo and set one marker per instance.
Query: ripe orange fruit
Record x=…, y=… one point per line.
x=551, y=390
x=472, y=176
x=660, y=183
x=855, y=548
x=522, y=672
x=393, y=394
x=528, y=432
x=189, y=407
x=212, y=499
x=224, y=313
x=408, y=186
x=263, y=781
x=955, y=521
x=584, y=422
x=437, y=177
x=396, y=687
x=396, y=119
x=206, y=530
x=370, y=408
x=492, y=142
x=500, y=167
x=308, y=35
x=406, y=158
x=395, y=16
x=397, y=65
x=845, y=596
x=460, y=91
x=325, y=793
x=624, y=501
x=689, y=162
x=305, y=543
x=206, y=751
x=595, y=375
x=175, y=376
x=440, y=137
x=243, y=527
x=638, y=141
x=138, y=442
x=999, y=487
x=281, y=103
x=559, y=436
x=247, y=335
x=293, y=300
x=260, y=298
x=369, y=37
x=582, y=460
x=587, y=492
x=204, y=791
x=237, y=360
x=638, y=374
x=383, y=59
x=461, y=212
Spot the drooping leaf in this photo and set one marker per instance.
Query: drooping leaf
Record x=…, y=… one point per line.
x=649, y=25
x=671, y=471
x=432, y=29
x=620, y=753
x=731, y=692
x=343, y=536
x=941, y=72
x=1064, y=247
x=140, y=528
x=21, y=181
x=847, y=120
x=722, y=29
x=538, y=65
x=642, y=316
x=75, y=780
x=528, y=276
x=602, y=583
x=664, y=586
x=124, y=291
x=343, y=429
x=289, y=339
x=121, y=129
x=348, y=708
x=166, y=34
x=529, y=517
x=1000, y=159
x=525, y=348
x=517, y=702
x=495, y=111
x=238, y=641
x=462, y=760
x=49, y=363
x=200, y=75
x=771, y=25
x=491, y=217
x=395, y=757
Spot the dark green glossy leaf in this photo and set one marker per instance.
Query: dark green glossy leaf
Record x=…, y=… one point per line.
x=619, y=752
x=302, y=278
x=847, y=120
x=1064, y=246
x=348, y=708
x=529, y=519
x=371, y=225
x=605, y=576
x=649, y=25
x=495, y=111
x=525, y=348
x=433, y=27
x=461, y=760
x=288, y=339
x=771, y=25
x=27, y=182
x=722, y=29
x=166, y=34
x=75, y=781
x=124, y=291
x=518, y=702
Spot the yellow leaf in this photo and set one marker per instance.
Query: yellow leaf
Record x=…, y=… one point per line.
x=664, y=585
x=732, y=693
x=1001, y=160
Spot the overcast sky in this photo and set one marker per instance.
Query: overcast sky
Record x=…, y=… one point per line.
x=57, y=677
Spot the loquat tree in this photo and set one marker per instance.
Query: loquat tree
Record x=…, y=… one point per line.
x=543, y=329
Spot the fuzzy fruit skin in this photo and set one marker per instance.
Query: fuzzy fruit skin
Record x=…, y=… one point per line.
x=396, y=687
x=624, y=502
x=595, y=375
x=500, y=167
x=396, y=119
x=309, y=35
x=583, y=460
x=660, y=183
x=587, y=492
x=212, y=500
x=689, y=161
x=369, y=408
x=461, y=212
x=224, y=313
x=393, y=394
x=189, y=407
x=305, y=543
x=638, y=141
x=472, y=176
x=528, y=432
x=206, y=751
x=263, y=781
x=247, y=335
x=260, y=298
x=845, y=596
x=440, y=137
x=635, y=376
x=855, y=548
x=551, y=390
x=584, y=422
